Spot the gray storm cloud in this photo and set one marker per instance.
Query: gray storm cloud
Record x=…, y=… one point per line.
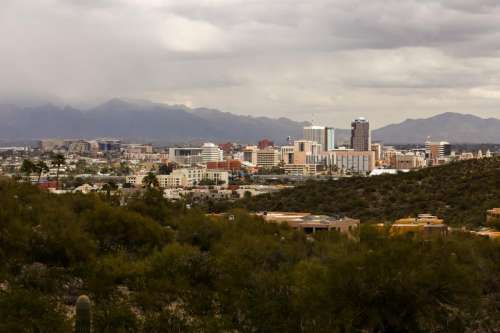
x=384, y=59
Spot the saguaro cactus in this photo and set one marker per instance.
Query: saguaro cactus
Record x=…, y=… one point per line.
x=83, y=323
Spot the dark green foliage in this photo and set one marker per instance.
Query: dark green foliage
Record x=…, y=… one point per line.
x=23, y=310
x=459, y=192
x=150, y=180
x=153, y=266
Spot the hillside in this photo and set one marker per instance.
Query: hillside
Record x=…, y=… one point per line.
x=153, y=267
x=143, y=121
x=460, y=192
x=452, y=127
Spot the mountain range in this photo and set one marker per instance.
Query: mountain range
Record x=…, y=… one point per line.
x=165, y=124
x=450, y=126
x=141, y=121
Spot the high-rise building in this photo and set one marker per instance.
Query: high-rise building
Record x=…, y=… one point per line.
x=307, y=152
x=377, y=148
x=435, y=150
x=211, y=153
x=354, y=161
x=268, y=158
x=360, y=135
x=325, y=136
x=315, y=133
x=329, y=139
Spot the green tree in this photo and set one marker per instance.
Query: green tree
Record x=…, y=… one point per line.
x=150, y=180
x=58, y=160
x=166, y=169
x=28, y=167
x=40, y=167
x=23, y=310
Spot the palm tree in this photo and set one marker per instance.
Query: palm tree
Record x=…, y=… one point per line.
x=27, y=168
x=109, y=187
x=150, y=180
x=58, y=160
x=40, y=167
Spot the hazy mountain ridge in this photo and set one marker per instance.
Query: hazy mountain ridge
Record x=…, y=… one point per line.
x=141, y=121
x=449, y=126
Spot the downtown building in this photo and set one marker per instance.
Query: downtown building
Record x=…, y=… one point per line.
x=262, y=158
x=360, y=135
x=437, y=152
x=185, y=156
x=185, y=177
x=325, y=136
x=349, y=160
x=211, y=153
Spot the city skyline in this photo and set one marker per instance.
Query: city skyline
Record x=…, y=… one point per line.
x=407, y=59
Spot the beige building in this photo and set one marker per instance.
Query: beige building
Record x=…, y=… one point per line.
x=268, y=158
x=354, y=161
x=192, y=176
x=493, y=215
x=300, y=169
x=135, y=180
x=425, y=224
x=250, y=154
x=307, y=152
x=377, y=148
x=313, y=223
x=287, y=153
x=51, y=144
x=408, y=162
x=186, y=177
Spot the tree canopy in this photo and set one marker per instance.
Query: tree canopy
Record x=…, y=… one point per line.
x=155, y=266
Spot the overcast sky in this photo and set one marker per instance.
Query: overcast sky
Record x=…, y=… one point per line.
x=331, y=60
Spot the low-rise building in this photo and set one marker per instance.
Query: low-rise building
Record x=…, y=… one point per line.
x=313, y=223
x=493, y=216
x=300, y=169
x=227, y=165
x=185, y=156
x=189, y=177
x=408, y=161
x=425, y=224
x=135, y=180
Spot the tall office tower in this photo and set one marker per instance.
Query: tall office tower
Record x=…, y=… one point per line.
x=325, y=136
x=211, y=153
x=329, y=139
x=315, y=133
x=435, y=150
x=378, y=148
x=360, y=135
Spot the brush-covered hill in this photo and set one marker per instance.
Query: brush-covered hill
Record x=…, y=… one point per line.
x=153, y=266
x=460, y=192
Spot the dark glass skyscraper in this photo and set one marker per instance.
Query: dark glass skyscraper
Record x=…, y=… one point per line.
x=360, y=135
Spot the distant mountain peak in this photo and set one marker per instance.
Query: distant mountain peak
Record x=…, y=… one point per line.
x=450, y=126
x=144, y=120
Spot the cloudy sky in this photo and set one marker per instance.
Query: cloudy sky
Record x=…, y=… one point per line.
x=327, y=60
